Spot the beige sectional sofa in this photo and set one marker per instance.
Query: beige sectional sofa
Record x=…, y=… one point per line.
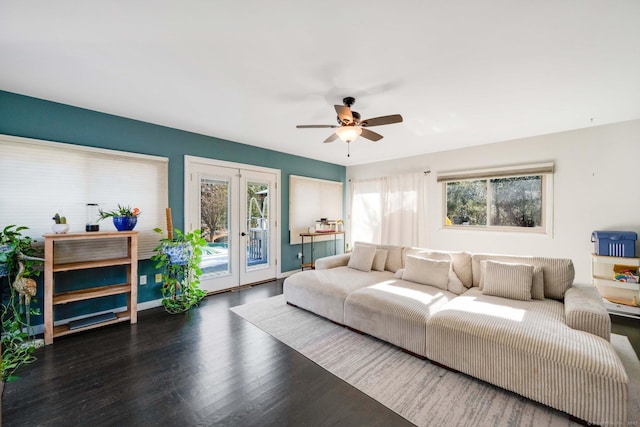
x=517, y=322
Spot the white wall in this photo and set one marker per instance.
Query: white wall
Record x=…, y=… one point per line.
x=596, y=187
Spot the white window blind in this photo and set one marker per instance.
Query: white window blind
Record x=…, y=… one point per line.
x=507, y=171
x=41, y=178
x=309, y=200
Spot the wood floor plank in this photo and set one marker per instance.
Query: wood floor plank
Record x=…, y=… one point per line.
x=206, y=367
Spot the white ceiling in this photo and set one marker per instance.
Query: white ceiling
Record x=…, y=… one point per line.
x=461, y=73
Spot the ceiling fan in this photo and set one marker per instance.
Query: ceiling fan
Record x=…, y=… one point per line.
x=350, y=127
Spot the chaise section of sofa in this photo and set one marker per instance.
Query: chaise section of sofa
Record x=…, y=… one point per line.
x=526, y=347
x=550, y=349
x=324, y=291
x=395, y=311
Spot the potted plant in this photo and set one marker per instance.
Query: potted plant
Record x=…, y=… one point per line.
x=17, y=288
x=125, y=218
x=179, y=256
x=60, y=226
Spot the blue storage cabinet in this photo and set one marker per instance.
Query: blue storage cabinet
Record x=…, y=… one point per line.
x=615, y=243
x=613, y=248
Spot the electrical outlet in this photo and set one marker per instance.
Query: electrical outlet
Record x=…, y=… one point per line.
x=158, y=278
x=143, y=279
x=299, y=255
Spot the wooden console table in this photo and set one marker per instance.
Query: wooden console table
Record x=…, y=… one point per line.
x=311, y=236
x=51, y=298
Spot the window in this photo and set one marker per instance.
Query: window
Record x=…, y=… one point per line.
x=40, y=178
x=512, y=199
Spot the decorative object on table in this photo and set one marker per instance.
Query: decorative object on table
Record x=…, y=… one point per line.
x=125, y=218
x=93, y=216
x=60, y=225
x=178, y=256
x=18, y=338
x=340, y=225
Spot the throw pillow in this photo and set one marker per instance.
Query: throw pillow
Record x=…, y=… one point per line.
x=379, y=259
x=508, y=280
x=454, y=285
x=537, y=288
x=398, y=274
x=362, y=257
x=427, y=271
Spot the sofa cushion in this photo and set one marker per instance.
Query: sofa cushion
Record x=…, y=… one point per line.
x=558, y=273
x=379, y=260
x=332, y=261
x=454, y=285
x=507, y=280
x=460, y=261
x=526, y=347
x=394, y=255
x=362, y=257
x=585, y=311
x=323, y=291
x=537, y=287
x=395, y=311
x=427, y=271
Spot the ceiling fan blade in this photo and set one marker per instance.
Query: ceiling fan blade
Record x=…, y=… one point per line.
x=383, y=120
x=331, y=138
x=315, y=126
x=344, y=114
x=369, y=134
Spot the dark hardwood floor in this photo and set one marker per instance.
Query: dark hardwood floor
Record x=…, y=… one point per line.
x=208, y=367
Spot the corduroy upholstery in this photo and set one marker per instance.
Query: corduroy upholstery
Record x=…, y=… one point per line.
x=526, y=347
x=395, y=311
x=460, y=262
x=558, y=273
x=585, y=311
x=553, y=349
x=323, y=291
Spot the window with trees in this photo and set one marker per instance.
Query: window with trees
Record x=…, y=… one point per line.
x=514, y=198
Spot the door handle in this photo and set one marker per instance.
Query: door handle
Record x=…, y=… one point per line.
x=243, y=234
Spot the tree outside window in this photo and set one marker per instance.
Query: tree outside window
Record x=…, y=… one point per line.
x=500, y=202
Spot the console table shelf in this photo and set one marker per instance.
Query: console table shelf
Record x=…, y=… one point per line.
x=84, y=294
x=62, y=330
x=52, y=299
x=90, y=264
x=312, y=236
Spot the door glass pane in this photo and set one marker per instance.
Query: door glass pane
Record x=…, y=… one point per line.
x=258, y=225
x=214, y=223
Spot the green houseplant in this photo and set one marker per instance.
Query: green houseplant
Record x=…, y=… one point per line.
x=124, y=218
x=17, y=266
x=179, y=259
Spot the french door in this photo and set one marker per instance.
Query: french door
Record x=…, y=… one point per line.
x=235, y=207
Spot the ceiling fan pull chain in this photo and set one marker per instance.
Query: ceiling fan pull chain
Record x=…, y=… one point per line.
x=348, y=149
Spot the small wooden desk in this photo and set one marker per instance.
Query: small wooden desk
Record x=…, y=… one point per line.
x=317, y=234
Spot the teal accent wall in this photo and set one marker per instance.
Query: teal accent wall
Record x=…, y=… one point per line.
x=40, y=119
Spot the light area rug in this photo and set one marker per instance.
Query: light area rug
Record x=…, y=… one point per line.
x=419, y=391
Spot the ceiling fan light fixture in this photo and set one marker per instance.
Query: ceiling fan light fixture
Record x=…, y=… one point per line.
x=348, y=133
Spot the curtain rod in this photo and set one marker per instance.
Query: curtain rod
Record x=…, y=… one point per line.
x=427, y=172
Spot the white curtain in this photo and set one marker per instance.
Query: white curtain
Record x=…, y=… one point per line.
x=389, y=210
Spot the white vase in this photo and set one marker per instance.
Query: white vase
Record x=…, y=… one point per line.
x=60, y=228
